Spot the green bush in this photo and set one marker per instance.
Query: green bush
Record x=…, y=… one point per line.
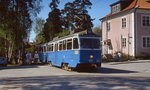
x=126, y=57
x=104, y=59
x=143, y=56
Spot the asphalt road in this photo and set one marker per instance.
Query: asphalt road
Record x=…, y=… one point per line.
x=132, y=75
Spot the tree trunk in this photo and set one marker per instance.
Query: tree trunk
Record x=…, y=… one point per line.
x=10, y=50
x=6, y=48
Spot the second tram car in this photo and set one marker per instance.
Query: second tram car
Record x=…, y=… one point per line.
x=42, y=51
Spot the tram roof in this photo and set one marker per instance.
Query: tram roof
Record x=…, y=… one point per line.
x=39, y=45
x=74, y=35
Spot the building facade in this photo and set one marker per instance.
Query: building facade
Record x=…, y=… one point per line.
x=127, y=28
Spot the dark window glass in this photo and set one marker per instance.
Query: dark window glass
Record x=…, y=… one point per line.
x=108, y=26
x=60, y=46
x=69, y=44
x=52, y=47
x=148, y=42
x=48, y=48
x=144, y=42
x=75, y=43
x=44, y=49
x=124, y=42
x=146, y=20
x=56, y=47
x=64, y=45
x=124, y=23
x=90, y=43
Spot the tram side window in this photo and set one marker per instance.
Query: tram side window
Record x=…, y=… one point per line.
x=41, y=50
x=50, y=47
x=56, y=47
x=60, y=46
x=64, y=45
x=75, y=43
x=44, y=49
x=69, y=44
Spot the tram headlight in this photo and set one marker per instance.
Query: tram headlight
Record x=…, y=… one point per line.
x=91, y=56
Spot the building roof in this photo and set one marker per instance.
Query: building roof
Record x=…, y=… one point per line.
x=141, y=4
x=144, y=4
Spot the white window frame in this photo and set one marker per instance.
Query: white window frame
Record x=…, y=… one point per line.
x=50, y=45
x=124, y=43
x=115, y=8
x=123, y=23
x=145, y=20
x=60, y=43
x=108, y=26
x=69, y=42
x=146, y=42
x=73, y=43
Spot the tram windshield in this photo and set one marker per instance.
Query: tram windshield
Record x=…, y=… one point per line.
x=88, y=43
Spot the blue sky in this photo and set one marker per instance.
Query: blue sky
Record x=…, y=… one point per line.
x=99, y=9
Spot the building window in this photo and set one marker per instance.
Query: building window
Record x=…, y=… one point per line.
x=115, y=8
x=118, y=7
x=124, y=42
x=146, y=20
x=146, y=42
x=123, y=22
x=108, y=26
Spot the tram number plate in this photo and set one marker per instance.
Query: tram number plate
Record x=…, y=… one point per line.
x=76, y=52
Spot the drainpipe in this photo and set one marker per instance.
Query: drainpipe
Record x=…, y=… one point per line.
x=107, y=32
x=135, y=31
x=121, y=44
x=128, y=44
x=102, y=42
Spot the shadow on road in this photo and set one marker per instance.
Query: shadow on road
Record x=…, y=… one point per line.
x=111, y=70
x=74, y=83
x=103, y=70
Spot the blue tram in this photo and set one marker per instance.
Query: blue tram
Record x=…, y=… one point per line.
x=73, y=50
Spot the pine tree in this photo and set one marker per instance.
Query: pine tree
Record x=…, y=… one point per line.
x=76, y=15
x=53, y=23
